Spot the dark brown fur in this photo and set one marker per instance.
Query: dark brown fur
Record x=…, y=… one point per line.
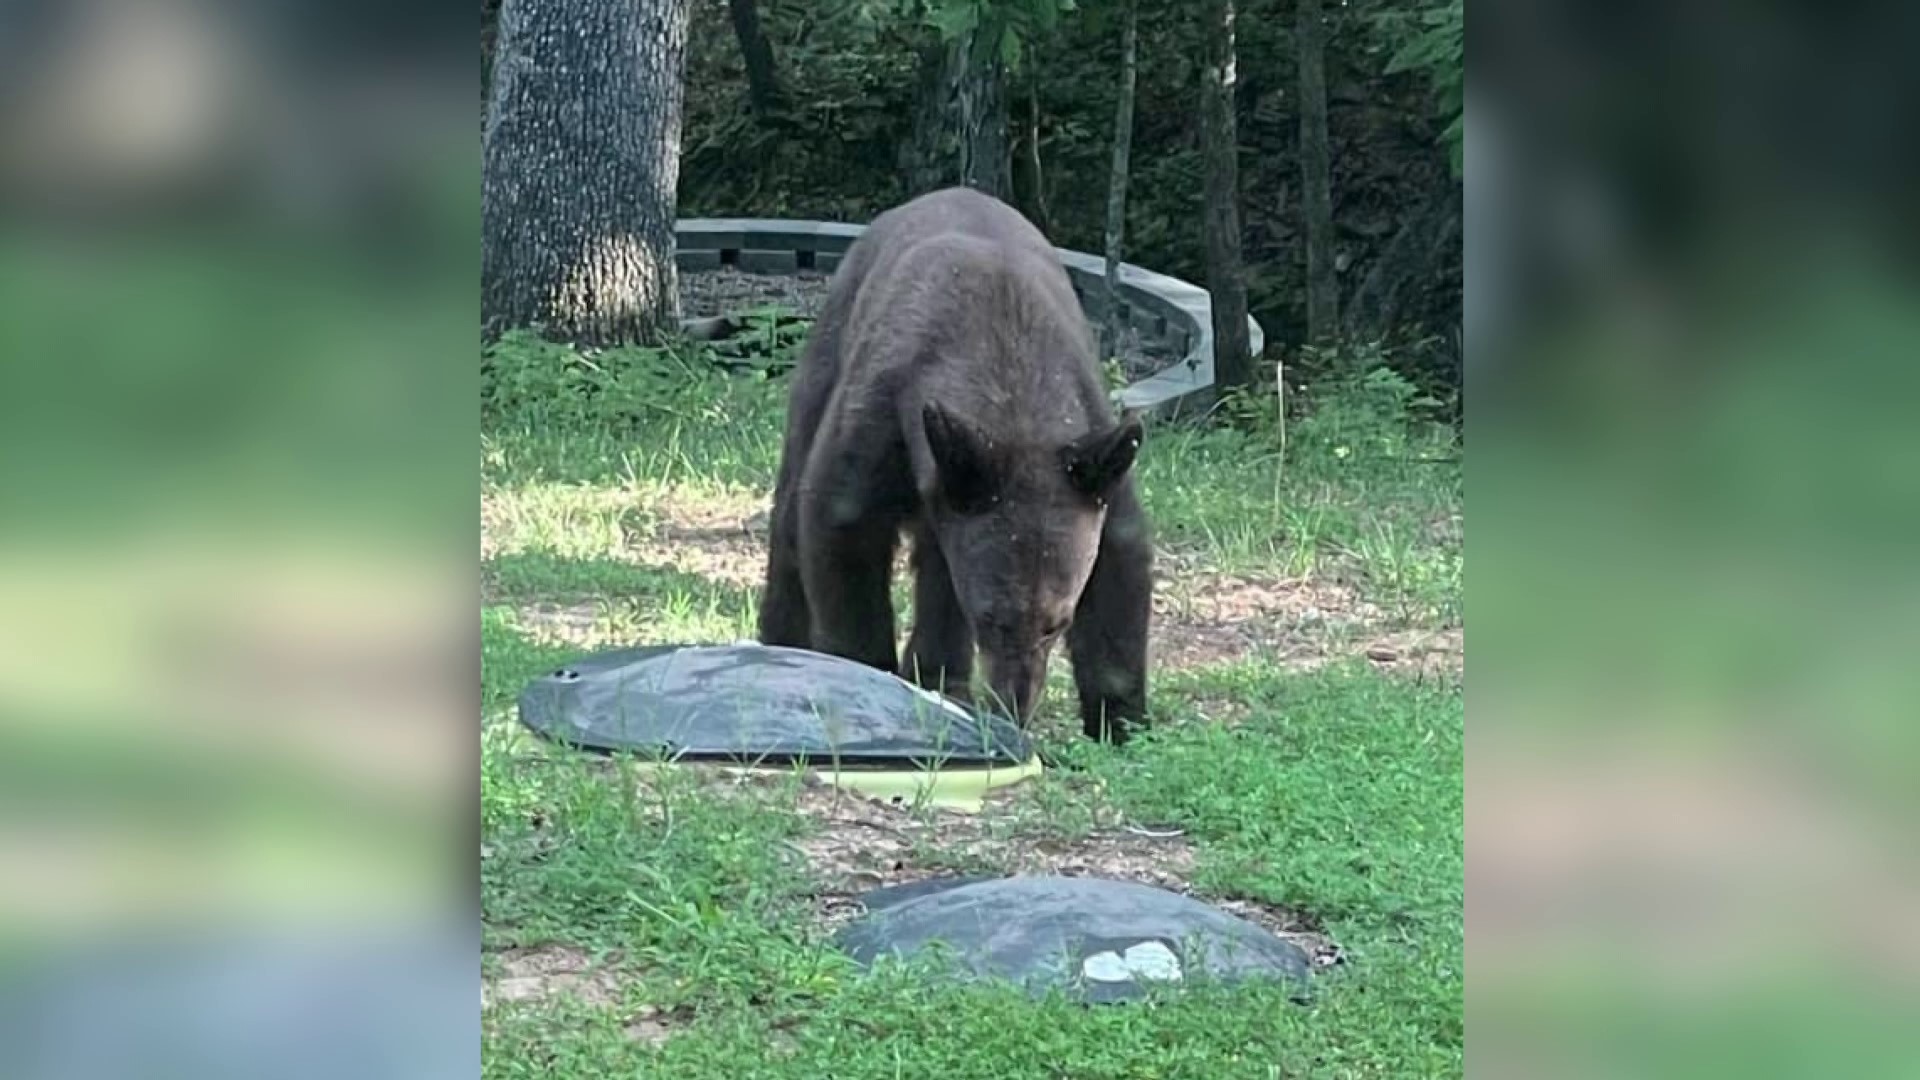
x=950, y=388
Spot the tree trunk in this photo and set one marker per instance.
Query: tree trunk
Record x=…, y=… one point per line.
x=763, y=82
x=580, y=160
x=1117, y=181
x=927, y=158
x=489, y=30
x=959, y=131
x=1029, y=179
x=1226, y=277
x=1316, y=167
x=980, y=99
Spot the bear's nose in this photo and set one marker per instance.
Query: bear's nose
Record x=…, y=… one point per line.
x=1017, y=683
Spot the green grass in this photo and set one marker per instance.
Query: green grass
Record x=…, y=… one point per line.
x=1334, y=793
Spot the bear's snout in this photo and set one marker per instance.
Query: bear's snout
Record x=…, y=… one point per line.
x=1016, y=681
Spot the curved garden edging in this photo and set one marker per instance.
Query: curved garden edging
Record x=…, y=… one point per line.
x=1163, y=308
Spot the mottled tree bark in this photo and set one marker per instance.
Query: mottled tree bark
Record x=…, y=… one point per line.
x=580, y=161
x=927, y=158
x=489, y=30
x=1226, y=274
x=1029, y=177
x=1117, y=180
x=960, y=122
x=980, y=97
x=1316, y=168
x=763, y=81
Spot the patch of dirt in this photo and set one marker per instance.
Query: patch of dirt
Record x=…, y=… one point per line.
x=1203, y=618
x=1427, y=653
x=1225, y=711
x=651, y=1025
x=563, y=624
x=543, y=971
x=1321, y=950
x=724, y=539
x=720, y=538
x=863, y=844
x=492, y=527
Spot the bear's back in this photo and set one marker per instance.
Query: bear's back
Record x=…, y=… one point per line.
x=958, y=297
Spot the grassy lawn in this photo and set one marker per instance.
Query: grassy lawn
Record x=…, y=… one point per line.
x=1305, y=770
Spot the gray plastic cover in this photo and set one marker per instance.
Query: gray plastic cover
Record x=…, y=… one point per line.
x=759, y=704
x=1099, y=941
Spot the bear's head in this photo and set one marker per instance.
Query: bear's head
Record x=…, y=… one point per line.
x=1019, y=524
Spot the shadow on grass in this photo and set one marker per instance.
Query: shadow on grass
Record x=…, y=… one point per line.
x=509, y=659
x=541, y=575
x=542, y=609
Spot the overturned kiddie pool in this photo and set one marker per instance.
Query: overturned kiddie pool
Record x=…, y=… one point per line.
x=761, y=708
x=1096, y=940
x=1173, y=313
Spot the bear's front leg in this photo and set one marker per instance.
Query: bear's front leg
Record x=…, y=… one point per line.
x=940, y=649
x=784, y=618
x=847, y=570
x=1108, y=639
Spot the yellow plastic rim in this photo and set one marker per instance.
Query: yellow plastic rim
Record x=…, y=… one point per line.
x=961, y=791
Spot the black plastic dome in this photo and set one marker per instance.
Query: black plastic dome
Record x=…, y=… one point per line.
x=761, y=705
x=1097, y=940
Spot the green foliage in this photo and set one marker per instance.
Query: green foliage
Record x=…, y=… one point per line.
x=1363, y=475
x=1013, y=25
x=1434, y=41
x=1359, y=410
x=957, y=18
x=526, y=378
x=769, y=342
x=528, y=381
x=1366, y=411
x=1290, y=826
x=854, y=72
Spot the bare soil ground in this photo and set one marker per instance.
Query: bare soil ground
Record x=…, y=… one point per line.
x=543, y=972
x=1201, y=617
x=864, y=844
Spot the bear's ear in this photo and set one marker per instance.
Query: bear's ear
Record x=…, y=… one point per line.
x=963, y=460
x=1096, y=461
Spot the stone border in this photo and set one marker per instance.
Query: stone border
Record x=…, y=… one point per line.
x=1160, y=307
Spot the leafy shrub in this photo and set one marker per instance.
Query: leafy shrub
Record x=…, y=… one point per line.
x=1361, y=409
x=529, y=382
x=1434, y=41
x=1365, y=409
x=769, y=341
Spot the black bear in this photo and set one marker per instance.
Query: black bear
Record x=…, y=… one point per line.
x=950, y=388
